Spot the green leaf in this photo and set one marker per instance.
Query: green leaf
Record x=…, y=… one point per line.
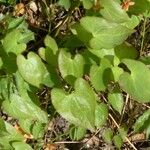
x=26, y=125
x=65, y=3
x=101, y=75
x=132, y=22
x=116, y=100
x=105, y=34
x=1, y=63
x=77, y=107
x=110, y=37
x=6, y=88
x=3, y=1
x=108, y=136
x=118, y=141
x=21, y=145
x=101, y=114
x=20, y=108
x=33, y=70
x=38, y=130
x=148, y=131
x=123, y=132
x=51, y=43
x=81, y=32
x=2, y=125
x=140, y=7
x=33, y=127
x=87, y=4
x=126, y=50
x=131, y=82
x=24, y=89
x=116, y=71
x=9, y=135
x=12, y=44
x=108, y=53
x=70, y=66
x=113, y=12
x=95, y=25
x=77, y=133
x=14, y=22
x=142, y=122
x=49, y=53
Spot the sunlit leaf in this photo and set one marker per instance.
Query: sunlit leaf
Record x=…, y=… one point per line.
x=131, y=82
x=112, y=11
x=78, y=107
x=70, y=66
x=142, y=122
x=33, y=70
x=116, y=100
x=21, y=145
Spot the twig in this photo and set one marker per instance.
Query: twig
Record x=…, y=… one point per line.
x=126, y=102
x=65, y=142
x=146, y=106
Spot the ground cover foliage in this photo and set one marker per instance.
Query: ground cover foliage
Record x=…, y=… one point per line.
x=74, y=74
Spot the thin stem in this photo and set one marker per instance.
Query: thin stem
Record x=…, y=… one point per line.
x=143, y=36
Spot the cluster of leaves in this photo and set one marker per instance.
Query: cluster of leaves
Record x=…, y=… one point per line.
x=96, y=48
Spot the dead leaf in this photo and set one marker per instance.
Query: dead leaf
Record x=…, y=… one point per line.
x=19, y=9
x=26, y=135
x=50, y=147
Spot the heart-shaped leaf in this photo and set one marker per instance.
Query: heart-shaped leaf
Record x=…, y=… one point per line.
x=136, y=83
x=33, y=70
x=101, y=75
x=17, y=44
x=78, y=107
x=49, y=53
x=70, y=67
x=11, y=44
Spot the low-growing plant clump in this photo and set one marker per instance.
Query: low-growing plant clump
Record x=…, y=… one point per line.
x=74, y=74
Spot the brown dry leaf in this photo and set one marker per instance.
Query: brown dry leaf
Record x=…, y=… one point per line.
x=19, y=9
x=50, y=147
x=126, y=4
x=137, y=137
x=26, y=135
